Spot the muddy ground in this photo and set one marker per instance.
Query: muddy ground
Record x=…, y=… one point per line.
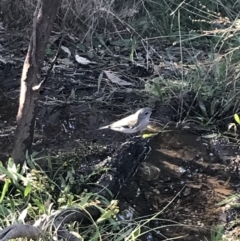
x=187, y=171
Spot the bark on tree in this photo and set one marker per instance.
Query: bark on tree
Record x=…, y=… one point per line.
x=31, y=77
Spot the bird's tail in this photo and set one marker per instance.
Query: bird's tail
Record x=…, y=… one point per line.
x=103, y=127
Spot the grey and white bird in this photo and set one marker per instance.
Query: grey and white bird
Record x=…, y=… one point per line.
x=136, y=122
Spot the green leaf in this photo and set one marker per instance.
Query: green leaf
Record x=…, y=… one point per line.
x=106, y=215
x=148, y=135
x=27, y=189
x=4, y=211
x=135, y=234
x=40, y=205
x=100, y=39
x=81, y=47
x=95, y=236
x=12, y=173
x=236, y=118
x=86, y=198
x=100, y=80
x=158, y=89
x=5, y=189
x=122, y=43
x=12, y=204
x=49, y=161
x=124, y=236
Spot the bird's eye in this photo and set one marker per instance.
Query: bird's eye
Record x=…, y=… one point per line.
x=146, y=113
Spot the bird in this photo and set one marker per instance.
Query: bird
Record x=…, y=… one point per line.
x=134, y=123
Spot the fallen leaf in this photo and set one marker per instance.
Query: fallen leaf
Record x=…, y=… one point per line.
x=66, y=62
x=4, y=61
x=116, y=80
x=82, y=60
x=157, y=69
x=66, y=50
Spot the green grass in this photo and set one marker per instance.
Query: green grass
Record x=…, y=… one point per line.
x=197, y=46
x=29, y=194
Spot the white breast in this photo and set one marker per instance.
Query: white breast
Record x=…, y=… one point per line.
x=143, y=125
x=124, y=130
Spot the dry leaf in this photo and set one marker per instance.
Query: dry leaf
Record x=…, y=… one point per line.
x=82, y=60
x=116, y=80
x=157, y=69
x=4, y=61
x=66, y=62
x=66, y=50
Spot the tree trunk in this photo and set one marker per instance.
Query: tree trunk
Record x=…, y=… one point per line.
x=44, y=16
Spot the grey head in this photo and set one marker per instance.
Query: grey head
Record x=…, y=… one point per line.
x=143, y=118
x=144, y=113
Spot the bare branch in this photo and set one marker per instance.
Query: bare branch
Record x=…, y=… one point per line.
x=37, y=87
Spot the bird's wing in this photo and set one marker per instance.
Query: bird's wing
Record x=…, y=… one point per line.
x=127, y=122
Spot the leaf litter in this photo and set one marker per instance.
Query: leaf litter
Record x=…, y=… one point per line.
x=70, y=97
